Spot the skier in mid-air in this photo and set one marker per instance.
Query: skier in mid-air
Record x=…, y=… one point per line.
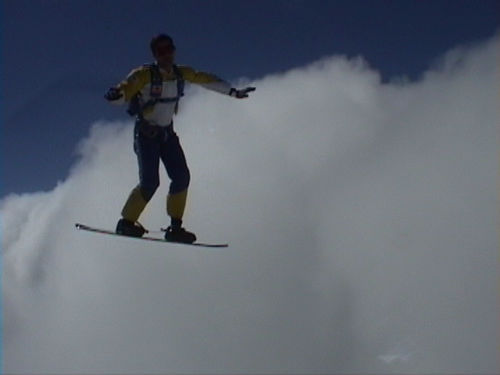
x=153, y=92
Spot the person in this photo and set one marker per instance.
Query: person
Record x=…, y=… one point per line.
x=153, y=92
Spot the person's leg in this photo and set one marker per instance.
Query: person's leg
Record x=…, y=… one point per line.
x=147, y=150
x=175, y=163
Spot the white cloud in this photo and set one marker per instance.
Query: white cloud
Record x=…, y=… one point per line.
x=361, y=222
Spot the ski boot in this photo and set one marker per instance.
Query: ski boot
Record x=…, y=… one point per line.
x=128, y=228
x=175, y=233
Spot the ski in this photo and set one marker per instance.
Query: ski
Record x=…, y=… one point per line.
x=147, y=238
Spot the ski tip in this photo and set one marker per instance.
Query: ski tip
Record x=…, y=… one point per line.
x=80, y=226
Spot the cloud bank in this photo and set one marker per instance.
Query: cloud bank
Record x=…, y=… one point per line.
x=361, y=220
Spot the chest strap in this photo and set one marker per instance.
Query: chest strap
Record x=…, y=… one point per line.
x=137, y=106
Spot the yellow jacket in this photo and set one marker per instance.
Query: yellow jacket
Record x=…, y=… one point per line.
x=139, y=80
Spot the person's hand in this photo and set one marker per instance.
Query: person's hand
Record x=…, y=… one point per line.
x=113, y=94
x=240, y=94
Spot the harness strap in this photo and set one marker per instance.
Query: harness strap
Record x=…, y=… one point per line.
x=153, y=131
x=137, y=107
x=157, y=85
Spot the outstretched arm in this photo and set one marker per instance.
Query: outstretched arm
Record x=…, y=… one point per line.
x=212, y=82
x=126, y=89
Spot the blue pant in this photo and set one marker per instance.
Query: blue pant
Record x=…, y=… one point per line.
x=152, y=144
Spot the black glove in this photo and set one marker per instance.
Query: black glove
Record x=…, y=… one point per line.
x=240, y=94
x=113, y=94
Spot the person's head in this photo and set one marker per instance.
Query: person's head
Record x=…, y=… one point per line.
x=163, y=49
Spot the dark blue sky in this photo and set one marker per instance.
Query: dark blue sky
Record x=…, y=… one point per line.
x=59, y=57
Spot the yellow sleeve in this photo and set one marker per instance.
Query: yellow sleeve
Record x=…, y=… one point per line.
x=135, y=81
x=207, y=80
x=193, y=76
